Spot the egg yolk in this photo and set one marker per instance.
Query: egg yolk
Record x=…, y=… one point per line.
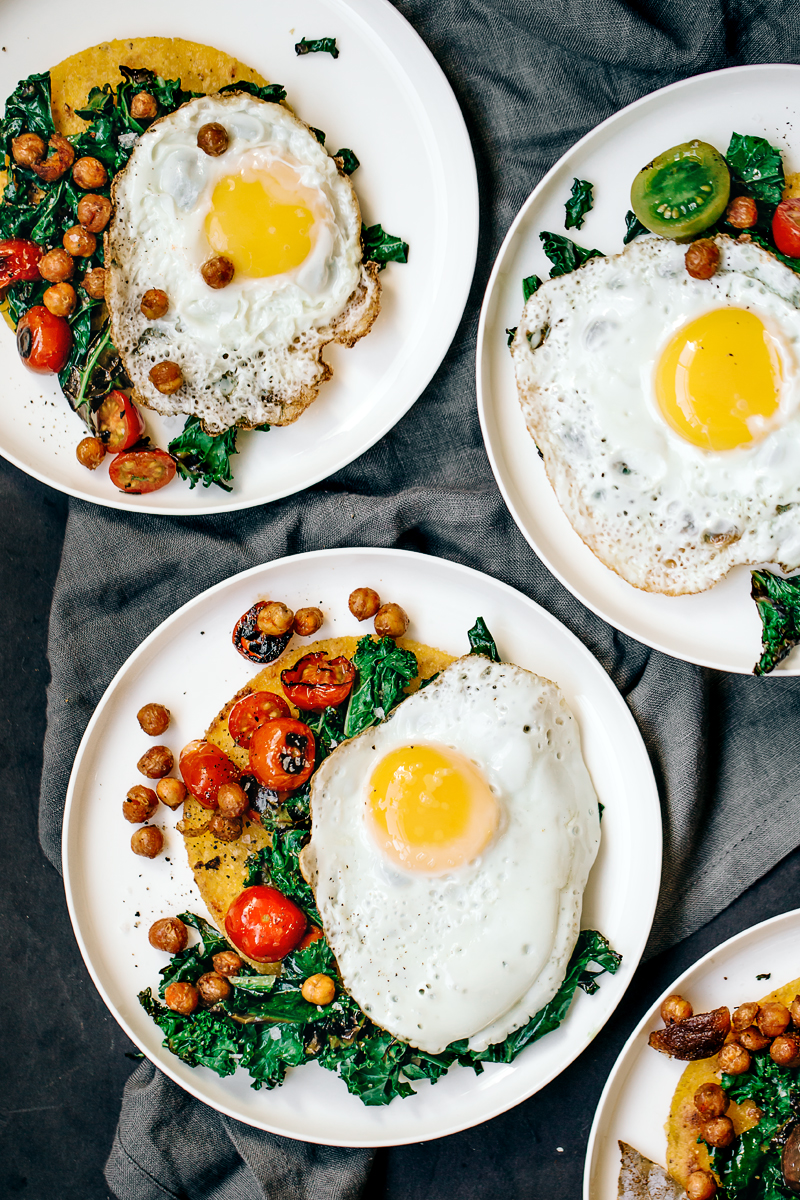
x=716, y=375
x=430, y=809
x=262, y=221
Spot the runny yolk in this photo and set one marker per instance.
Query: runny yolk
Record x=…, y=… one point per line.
x=261, y=220
x=717, y=377
x=430, y=809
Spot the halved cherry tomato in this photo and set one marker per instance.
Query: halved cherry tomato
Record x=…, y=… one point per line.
x=282, y=753
x=204, y=769
x=119, y=422
x=786, y=227
x=43, y=340
x=140, y=471
x=315, y=681
x=19, y=261
x=264, y=924
x=253, y=710
x=252, y=643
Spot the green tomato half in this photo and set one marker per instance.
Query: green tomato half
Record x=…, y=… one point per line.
x=683, y=191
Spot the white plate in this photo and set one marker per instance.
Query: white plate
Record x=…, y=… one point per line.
x=636, y=1099
x=718, y=628
x=387, y=99
x=189, y=665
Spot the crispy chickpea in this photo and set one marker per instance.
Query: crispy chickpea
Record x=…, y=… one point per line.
x=168, y=934
x=710, y=1101
x=90, y=452
x=744, y=1016
x=213, y=988
x=232, y=800
x=702, y=259
x=752, y=1039
x=218, y=271
x=274, y=619
x=171, y=792
x=212, y=139
x=227, y=963
x=154, y=303
x=675, y=1009
x=56, y=265
x=773, y=1019
x=156, y=762
x=166, y=376
x=182, y=998
x=318, y=989
x=144, y=106
x=391, y=621
x=60, y=299
x=225, y=829
x=94, y=283
x=742, y=212
x=148, y=841
x=785, y=1050
x=94, y=213
x=701, y=1185
x=140, y=804
x=89, y=173
x=58, y=162
x=28, y=149
x=79, y=242
x=733, y=1059
x=154, y=719
x=719, y=1131
x=307, y=621
x=364, y=603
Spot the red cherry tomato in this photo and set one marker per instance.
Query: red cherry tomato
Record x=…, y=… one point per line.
x=43, y=340
x=139, y=471
x=204, y=769
x=282, y=753
x=19, y=261
x=253, y=710
x=119, y=422
x=264, y=924
x=315, y=681
x=312, y=934
x=786, y=227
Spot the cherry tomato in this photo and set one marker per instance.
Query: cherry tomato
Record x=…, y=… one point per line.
x=43, y=340
x=19, y=260
x=253, y=710
x=139, y=471
x=315, y=681
x=204, y=769
x=119, y=422
x=252, y=643
x=312, y=934
x=682, y=191
x=786, y=227
x=264, y=924
x=282, y=753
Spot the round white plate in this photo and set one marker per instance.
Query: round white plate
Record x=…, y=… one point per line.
x=188, y=664
x=718, y=628
x=636, y=1099
x=387, y=99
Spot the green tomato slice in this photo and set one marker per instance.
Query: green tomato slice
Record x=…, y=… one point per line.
x=683, y=191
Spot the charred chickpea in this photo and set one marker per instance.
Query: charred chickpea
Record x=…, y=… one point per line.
x=153, y=719
x=212, y=139
x=773, y=1019
x=154, y=303
x=307, y=621
x=89, y=173
x=719, y=1131
x=318, y=989
x=225, y=829
x=701, y=1185
x=702, y=259
x=79, y=242
x=140, y=804
x=742, y=212
x=58, y=161
x=227, y=963
x=364, y=603
x=182, y=998
x=90, y=452
x=94, y=283
x=710, y=1101
x=744, y=1016
x=274, y=619
x=675, y=1009
x=167, y=377
x=391, y=621
x=168, y=934
x=752, y=1039
x=28, y=149
x=144, y=106
x=232, y=800
x=56, y=266
x=94, y=213
x=171, y=792
x=60, y=299
x=733, y=1059
x=148, y=842
x=213, y=988
x=218, y=271
x=156, y=762
x=785, y=1050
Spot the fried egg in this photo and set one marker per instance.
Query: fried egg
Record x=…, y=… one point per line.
x=666, y=409
x=277, y=206
x=449, y=853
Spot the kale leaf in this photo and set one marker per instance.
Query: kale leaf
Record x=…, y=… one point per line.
x=530, y=284
x=318, y=134
x=579, y=204
x=349, y=161
x=758, y=165
x=201, y=458
x=752, y=1166
x=383, y=670
x=327, y=725
x=269, y=1050
x=382, y=247
x=316, y=46
x=564, y=254
x=633, y=227
x=511, y=334
x=778, y=604
x=482, y=642
x=271, y=92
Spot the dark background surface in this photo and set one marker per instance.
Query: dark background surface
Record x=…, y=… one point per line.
x=62, y=1056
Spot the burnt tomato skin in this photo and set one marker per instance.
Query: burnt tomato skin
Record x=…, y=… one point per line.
x=19, y=261
x=253, y=710
x=282, y=754
x=205, y=768
x=316, y=681
x=264, y=924
x=252, y=643
x=43, y=340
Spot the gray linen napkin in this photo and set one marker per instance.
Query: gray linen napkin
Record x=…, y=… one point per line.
x=531, y=77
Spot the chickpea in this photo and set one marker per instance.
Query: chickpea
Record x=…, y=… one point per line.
x=79, y=242
x=94, y=283
x=785, y=1050
x=227, y=963
x=274, y=619
x=225, y=829
x=171, y=792
x=701, y=1185
x=773, y=1019
x=168, y=934
x=90, y=452
x=58, y=162
x=391, y=621
x=89, y=173
x=94, y=213
x=307, y=621
x=218, y=271
x=56, y=266
x=702, y=259
x=213, y=988
x=318, y=989
x=719, y=1131
x=60, y=299
x=28, y=149
x=710, y=1101
x=753, y=1039
x=148, y=842
x=154, y=719
x=156, y=762
x=733, y=1059
x=212, y=139
x=154, y=303
x=232, y=800
x=167, y=377
x=364, y=603
x=140, y=804
x=742, y=212
x=182, y=998
x=744, y=1016
x=144, y=106
x=675, y=1009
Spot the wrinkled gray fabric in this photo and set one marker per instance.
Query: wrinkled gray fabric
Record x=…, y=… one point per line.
x=531, y=78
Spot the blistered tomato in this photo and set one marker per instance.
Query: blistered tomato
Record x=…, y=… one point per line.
x=253, y=710
x=119, y=422
x=19, y=261
x=205, y=768
x=264, y=924
x=315, y=681
x=282, y=754
x=43, y=340
x=786, y=227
